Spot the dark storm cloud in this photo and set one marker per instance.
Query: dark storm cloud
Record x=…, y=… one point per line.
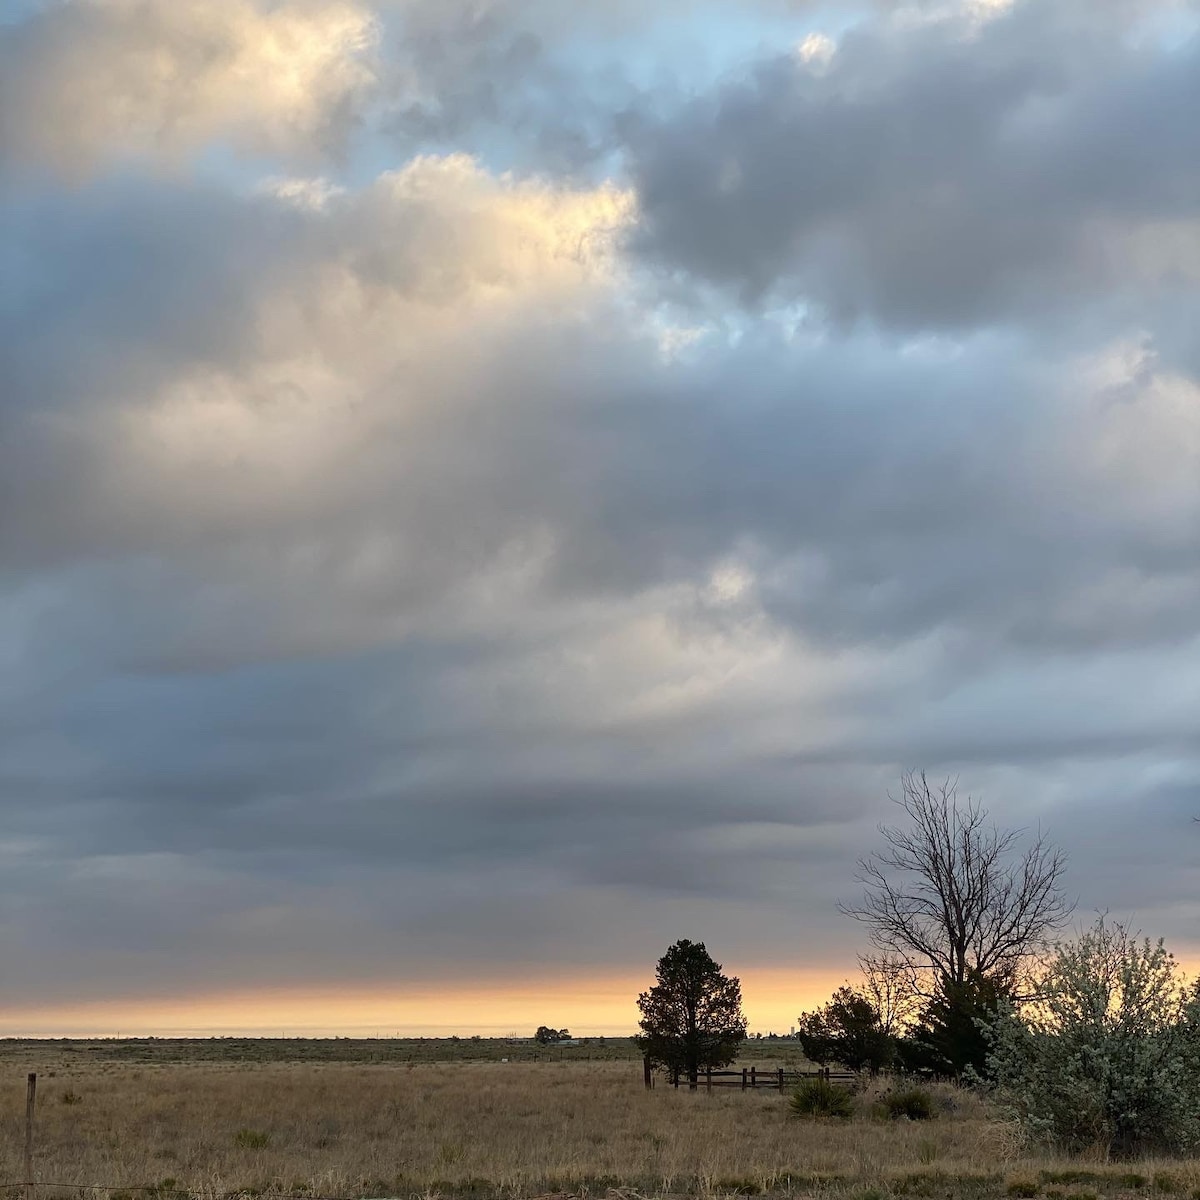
x=393, y=584
x=937, y=175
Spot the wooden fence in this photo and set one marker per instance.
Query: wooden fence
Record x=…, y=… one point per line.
x=754, y=1077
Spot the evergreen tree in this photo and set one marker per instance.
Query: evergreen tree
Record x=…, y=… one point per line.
x=951, y=1035
x=849, y=1031
x=692, y=1017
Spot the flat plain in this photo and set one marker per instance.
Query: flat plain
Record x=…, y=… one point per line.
x=347, y=1118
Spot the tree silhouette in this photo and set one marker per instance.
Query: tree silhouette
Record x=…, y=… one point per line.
x=951, y=1035
x=692, y=1018
x=953, y=897
x=848, y=1030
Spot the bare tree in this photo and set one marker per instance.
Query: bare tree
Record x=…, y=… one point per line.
x=889, y=984
x=955, y=896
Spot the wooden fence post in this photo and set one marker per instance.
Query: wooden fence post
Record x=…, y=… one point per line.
x=745, y=1078
x=647, y=1073
x=781, y=1079
x=753, y=1081
x=30, y=1101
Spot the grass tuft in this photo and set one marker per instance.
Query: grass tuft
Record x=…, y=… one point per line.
x=820, y=1098
x=913, y=1104
x=252, y=1139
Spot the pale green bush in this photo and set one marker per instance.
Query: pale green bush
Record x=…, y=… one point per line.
x=1105, y=1059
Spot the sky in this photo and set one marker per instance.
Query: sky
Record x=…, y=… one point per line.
x=491, y=487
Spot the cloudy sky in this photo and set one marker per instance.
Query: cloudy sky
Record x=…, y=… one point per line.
x=490, y=487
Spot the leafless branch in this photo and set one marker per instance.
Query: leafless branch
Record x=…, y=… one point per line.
x=890, y=984
x=951, y=896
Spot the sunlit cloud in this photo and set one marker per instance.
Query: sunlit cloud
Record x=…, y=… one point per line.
x=93, y=80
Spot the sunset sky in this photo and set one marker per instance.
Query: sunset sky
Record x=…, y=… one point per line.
x=491, y=487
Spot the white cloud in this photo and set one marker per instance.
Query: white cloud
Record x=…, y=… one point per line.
x=816, y=50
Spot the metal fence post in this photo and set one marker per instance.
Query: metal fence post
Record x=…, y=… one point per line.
x=30, y=1102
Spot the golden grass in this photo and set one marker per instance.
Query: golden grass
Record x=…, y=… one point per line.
x=513, y=1129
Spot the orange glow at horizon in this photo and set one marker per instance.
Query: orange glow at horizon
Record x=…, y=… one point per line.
x=590, y=1005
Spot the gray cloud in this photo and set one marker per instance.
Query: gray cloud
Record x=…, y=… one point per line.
x=939, y=175
x=394, y=585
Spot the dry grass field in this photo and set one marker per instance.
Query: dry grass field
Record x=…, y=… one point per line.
x=517, y=1129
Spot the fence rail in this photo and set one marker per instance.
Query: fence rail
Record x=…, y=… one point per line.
x=749, y=1078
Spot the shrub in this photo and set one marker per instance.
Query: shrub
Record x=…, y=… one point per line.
x=914, y=1103
x=820, y=1098
x=1104, y=1061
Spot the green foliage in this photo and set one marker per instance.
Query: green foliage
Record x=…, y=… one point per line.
x=547, y=1035
x=849, y=1031
x=950, y=1038
x=914, y=1103
x=692, y=1018
x=1105, y=1060
x=252, y=1139
x=1022, y=1188
x=820, y=1098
